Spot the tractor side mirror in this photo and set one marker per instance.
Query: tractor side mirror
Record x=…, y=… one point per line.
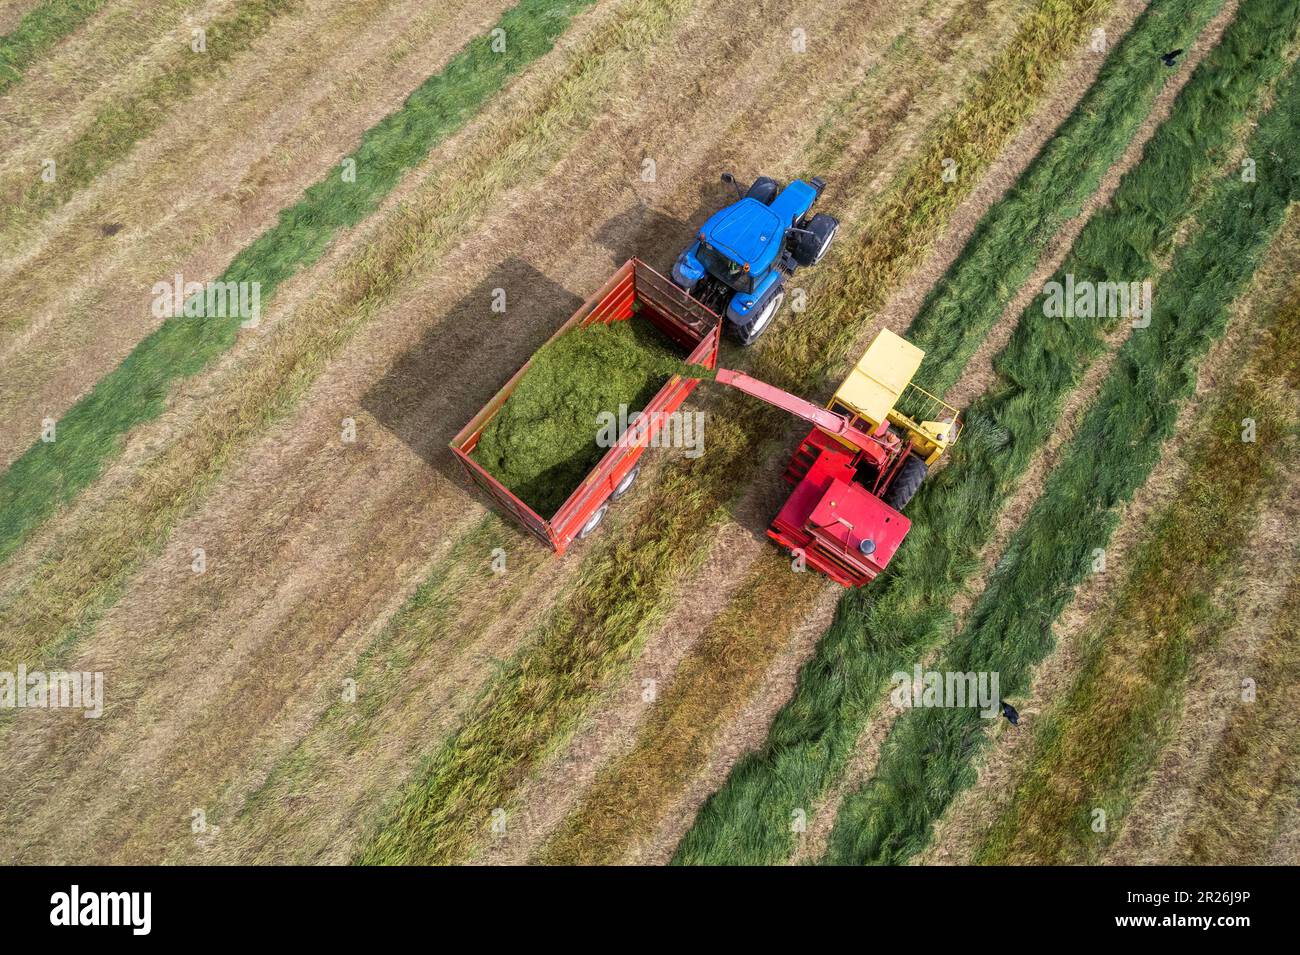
x=730, y=180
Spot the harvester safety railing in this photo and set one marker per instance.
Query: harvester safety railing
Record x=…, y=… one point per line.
x=917, y=405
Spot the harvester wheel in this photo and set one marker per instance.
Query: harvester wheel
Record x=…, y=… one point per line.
x=812, y=244
x=625, y=485
x=593, y=522
x=906, y=482
x=764, y=189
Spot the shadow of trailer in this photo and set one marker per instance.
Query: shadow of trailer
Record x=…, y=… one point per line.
x=635, y=289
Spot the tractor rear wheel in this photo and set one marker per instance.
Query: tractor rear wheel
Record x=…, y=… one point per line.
x=906, y=482
x=812, y=244
x=764, y=189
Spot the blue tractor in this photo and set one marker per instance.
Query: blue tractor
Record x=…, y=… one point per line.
x=744, y=253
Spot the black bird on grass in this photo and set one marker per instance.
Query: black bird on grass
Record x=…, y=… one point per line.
x=1010, y=713
x=1170, y=59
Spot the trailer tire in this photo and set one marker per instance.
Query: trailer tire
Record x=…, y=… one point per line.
x=750, y=333
x=764, y=189
x=593, y=522
x=906, y=482
x=625, y=485
x=810, y=246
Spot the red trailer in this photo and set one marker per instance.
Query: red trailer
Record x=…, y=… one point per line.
x=634, y=289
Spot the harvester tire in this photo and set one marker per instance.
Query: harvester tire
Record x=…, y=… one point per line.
x=764, y=189
x=812, y=244
x=906, y=482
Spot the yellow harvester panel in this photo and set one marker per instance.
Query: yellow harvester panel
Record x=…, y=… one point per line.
x=880, y=376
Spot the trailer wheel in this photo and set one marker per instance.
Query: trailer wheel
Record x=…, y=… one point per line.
x=906, y=482
x=625, y=485
x=749, y=334
x=593, y=522
x=811, y=246
x=764, y=190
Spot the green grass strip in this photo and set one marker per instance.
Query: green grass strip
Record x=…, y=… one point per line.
x=627, y=583
x=121, y=124
x=39, y=30
x=1126, y=700
x=927, y=758
x=51, y=474
x=890, y=624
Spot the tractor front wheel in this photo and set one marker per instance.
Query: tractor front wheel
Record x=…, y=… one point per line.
x=749, y=334
x=906, y=482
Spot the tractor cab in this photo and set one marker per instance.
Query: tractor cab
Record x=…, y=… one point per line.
x=739, y=245
x=744, y=252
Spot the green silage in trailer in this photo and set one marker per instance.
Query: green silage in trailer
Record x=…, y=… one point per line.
x=544, y=440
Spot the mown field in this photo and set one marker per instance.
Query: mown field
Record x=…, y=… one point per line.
x=255, y=531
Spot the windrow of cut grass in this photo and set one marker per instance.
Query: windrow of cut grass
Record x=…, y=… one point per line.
x=894, y=622
x=123, y=122
x=38, y=31
x=1116, y=716
x=623, y=588
x=998, y=259
x=927, y=757
x=50, y=474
